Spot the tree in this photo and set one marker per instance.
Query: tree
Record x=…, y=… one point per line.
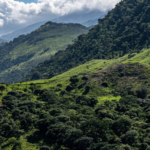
x=2, y=88
x=83, y=143
x=121, y=126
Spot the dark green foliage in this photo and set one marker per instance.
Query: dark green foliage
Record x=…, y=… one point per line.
x=69, y=88
x=85, y=78
x=125, y=29
x=44, y=148
x=121, y=126
x=105, y=84
x=74, y=79
x=36, y=76
x=82, y=143
x=142, y=93
x=2, y=87
x=83, y=100
x=74, y=121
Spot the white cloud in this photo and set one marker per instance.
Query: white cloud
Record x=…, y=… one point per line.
x=1, y=22
x=17, y=14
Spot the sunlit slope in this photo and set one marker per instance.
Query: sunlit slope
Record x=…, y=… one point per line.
x=25, y=52
x=100, y=64
x=92, y=67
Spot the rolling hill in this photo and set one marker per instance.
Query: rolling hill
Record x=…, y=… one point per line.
x=25, y=52
x=124, y=30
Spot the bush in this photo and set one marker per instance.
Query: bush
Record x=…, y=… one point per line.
x=83, y=143
x=2, y=88
x=121, y=126
x=74, y=79
x=142, y=93
x=131, y=137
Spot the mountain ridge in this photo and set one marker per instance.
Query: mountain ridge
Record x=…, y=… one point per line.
x=80, y=17
x=23, y=31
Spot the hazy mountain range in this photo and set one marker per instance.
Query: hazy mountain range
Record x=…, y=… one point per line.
x=86, y=19
x=80, y=17
x=23, y=31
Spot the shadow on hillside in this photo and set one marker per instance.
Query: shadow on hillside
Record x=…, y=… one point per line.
x=39, y=136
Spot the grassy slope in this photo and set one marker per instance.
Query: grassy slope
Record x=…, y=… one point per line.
x=41, y=45
x=93, y=67
x=90, y=69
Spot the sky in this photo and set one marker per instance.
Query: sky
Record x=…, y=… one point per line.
x=28, y=1
x=18, y=14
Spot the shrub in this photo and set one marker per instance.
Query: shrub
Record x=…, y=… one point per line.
x=131, y=137
x=142, y=93
x=2, y=88
x=74, y=79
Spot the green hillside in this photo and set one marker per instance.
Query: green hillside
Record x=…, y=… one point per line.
x=124, y=30
x=25, y=52
x=102, y=104
x=101, y=101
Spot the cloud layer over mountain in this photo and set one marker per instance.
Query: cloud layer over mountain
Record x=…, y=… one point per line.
x=15, y=14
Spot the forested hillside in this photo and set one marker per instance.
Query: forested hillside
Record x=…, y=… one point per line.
x=124, y=30
x=25, y=52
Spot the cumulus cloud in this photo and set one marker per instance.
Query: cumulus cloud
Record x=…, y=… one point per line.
x=18, y=14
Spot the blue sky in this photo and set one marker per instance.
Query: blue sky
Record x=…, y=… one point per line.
x=27, y=1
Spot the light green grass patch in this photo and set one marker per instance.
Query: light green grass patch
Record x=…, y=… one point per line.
x=102, y=99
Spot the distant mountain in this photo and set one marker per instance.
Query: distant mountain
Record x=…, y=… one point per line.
x=2, y=41
x=93, y=22
x=25, y=52
x=80, y=17
x=23, y=31
x=125, y=29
